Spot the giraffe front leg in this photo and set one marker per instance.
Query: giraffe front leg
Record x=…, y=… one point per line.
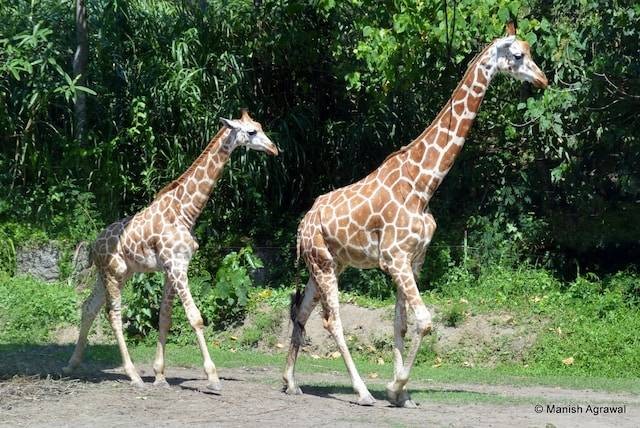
x=405, y=281
x=163, y=330
x=178, y=277
x=399, y=330
x=299, y=319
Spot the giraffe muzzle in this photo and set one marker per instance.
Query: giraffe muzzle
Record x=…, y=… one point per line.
x=541, y=82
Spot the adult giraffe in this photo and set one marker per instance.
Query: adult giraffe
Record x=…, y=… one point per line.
x=158, y=238
x=383, y=221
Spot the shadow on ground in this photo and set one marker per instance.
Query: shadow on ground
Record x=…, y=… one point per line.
x=330, y=391
x=48, y=359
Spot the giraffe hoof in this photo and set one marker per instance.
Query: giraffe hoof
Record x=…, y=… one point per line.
x=161, y=383
x=293, y=390
x=409, y=404
x=366, y=400
x=214, y=386
x=400, y=399
x=68, y=370
x=138, y=383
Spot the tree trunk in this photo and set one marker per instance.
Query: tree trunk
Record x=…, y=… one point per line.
x=80, y=69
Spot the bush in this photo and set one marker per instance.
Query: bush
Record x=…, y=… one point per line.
x=221, y=304
x=142, y=298
x=454, y=314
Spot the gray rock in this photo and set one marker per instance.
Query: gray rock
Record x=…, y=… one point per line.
x=40, y=261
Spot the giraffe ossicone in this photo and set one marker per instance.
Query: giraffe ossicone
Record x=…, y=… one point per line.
x=159, y=238
x=383, y=220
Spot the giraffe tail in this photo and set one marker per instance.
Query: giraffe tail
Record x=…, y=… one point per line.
x=83, y=265
x=296, y=297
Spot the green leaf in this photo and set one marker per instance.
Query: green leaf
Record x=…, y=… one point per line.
x=503, y=14
x=85, y=89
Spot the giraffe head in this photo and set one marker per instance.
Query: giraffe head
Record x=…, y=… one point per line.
x=247, y=132
x=513, y=56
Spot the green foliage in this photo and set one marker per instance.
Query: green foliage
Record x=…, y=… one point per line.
x=454, y=314
x=373, y=283
x=222, y=301
x=594, y=326
x=142, y=297
x=228, y=299
x=30, y=309
x=590, y=319
x=263, y=324
x=549, y=176
x=7, y=255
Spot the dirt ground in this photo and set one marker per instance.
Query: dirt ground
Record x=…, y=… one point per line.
x=253, y=397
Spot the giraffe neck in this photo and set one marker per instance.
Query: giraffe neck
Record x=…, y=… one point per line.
x=195, y=185
x=428, y=159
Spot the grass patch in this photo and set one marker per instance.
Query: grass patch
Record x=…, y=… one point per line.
x=590, y=326
x=30, y=309
x=264, y=325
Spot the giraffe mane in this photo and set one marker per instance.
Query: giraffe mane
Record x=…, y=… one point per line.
x=178, y=181
x=444, y=109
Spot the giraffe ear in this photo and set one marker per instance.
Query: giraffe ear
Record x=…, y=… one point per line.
x=231, y=124
x=511, y=28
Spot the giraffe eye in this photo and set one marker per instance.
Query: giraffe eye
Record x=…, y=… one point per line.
x=252, y=133
x=518, y=56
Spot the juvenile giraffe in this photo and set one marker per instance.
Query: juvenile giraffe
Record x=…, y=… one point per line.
x=383, y=220
x=159, y=238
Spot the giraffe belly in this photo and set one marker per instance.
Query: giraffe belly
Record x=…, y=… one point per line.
x=361, y=252
x=143, y=259
x=146, y=263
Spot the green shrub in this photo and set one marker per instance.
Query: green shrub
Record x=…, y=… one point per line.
x=7, y=255
x=371, y=282
x=142, y=298
x=263, y=325
x=606, y=346
x=221, y=304
x=454, y=314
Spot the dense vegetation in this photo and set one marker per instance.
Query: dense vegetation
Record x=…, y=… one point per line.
x=547, y=180
x=338, y=85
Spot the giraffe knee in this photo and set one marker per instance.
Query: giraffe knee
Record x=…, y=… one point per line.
x=197, y=323
x=195, y=319
x=423, y=321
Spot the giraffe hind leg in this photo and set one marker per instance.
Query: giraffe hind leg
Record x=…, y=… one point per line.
x=299, y=316
x=90, y=309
